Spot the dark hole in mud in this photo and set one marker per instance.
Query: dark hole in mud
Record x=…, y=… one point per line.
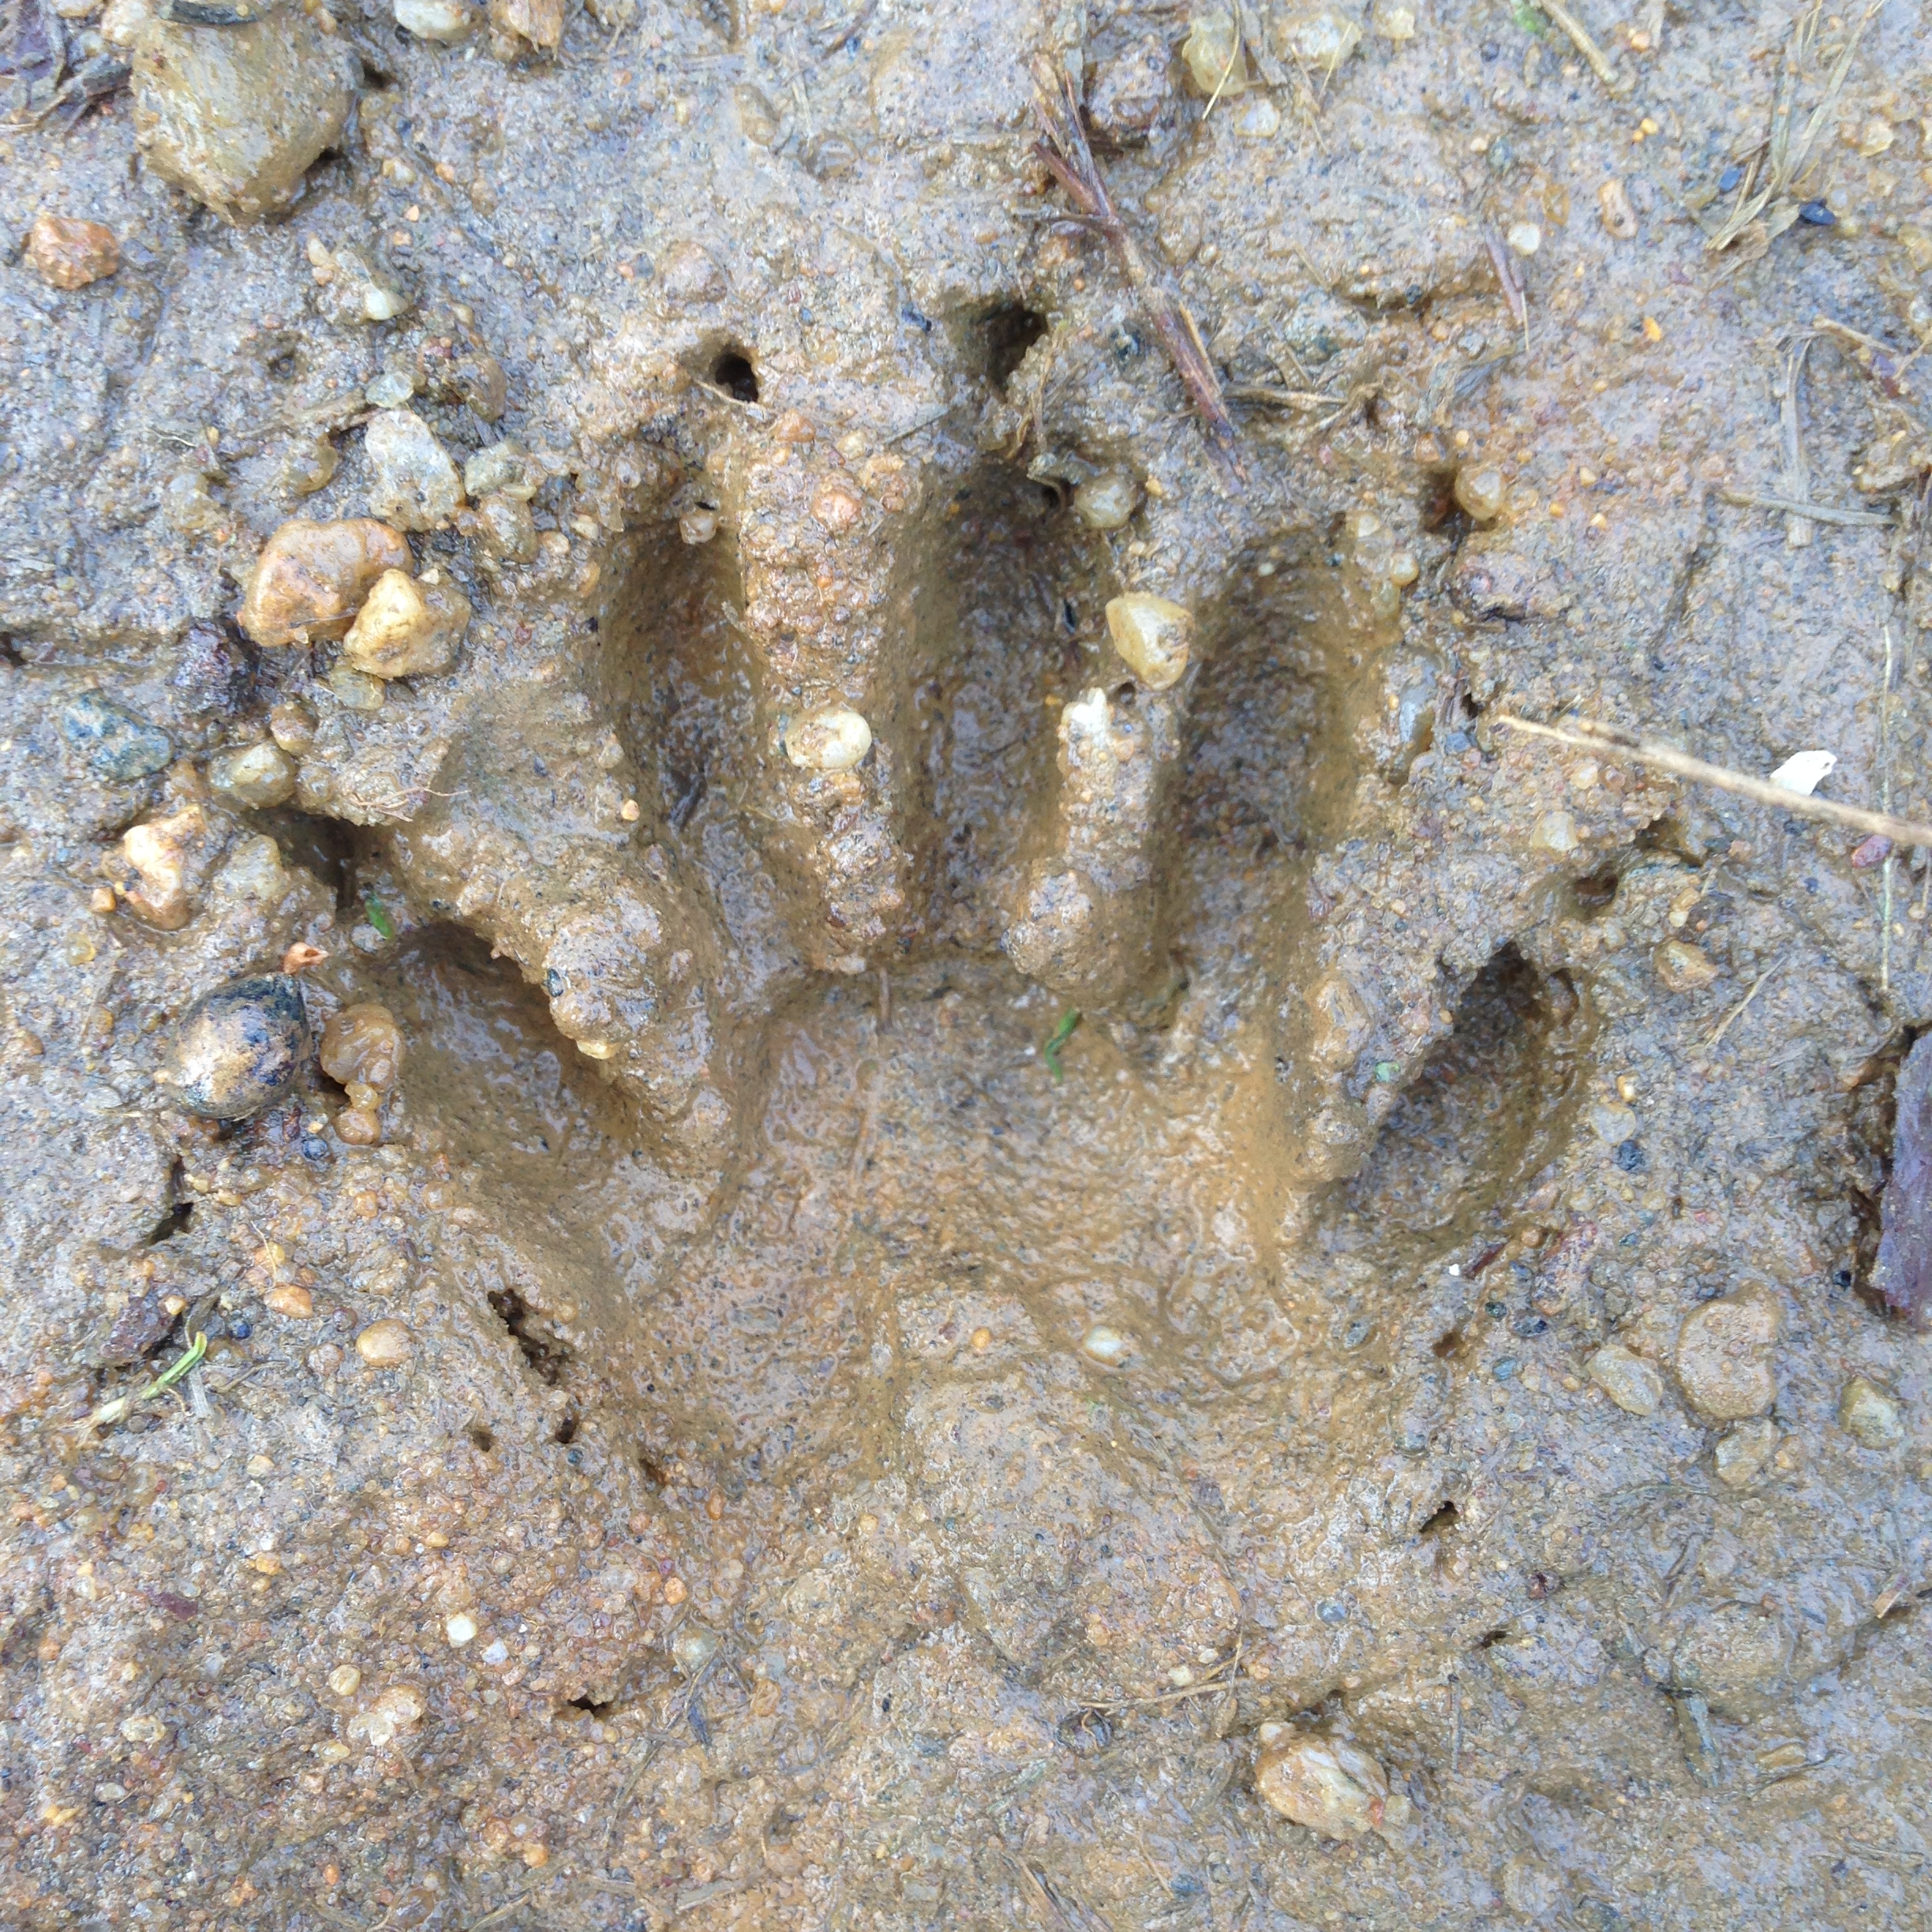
x=175, y=1221
x=1488, y=1109
x=591, y=1705
x=1442, y=1519
x=734, y=374
x=1448, y=1345
x=1595, y=890
x=1006, y=333
x=482, y=1439
x=654, y=1472
x=545, y=1354
x=565, y=1433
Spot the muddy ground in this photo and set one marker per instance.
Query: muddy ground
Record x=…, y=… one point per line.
x=1389, y=1422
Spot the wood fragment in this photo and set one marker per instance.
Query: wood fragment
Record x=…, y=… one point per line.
x=1903, y=1272
x=1064, y=150
x=1587, y=735
x=1817, y=513
x=1580, y=39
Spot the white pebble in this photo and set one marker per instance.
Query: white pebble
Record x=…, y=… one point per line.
x=1153, y=635
x=1106, y=1345
x=460, y=1629
x=833, y=738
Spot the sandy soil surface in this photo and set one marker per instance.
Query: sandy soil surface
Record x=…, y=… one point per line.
x=809, y=1125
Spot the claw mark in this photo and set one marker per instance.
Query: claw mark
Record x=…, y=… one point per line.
x=1058, y=1038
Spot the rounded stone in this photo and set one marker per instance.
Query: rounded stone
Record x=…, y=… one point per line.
x=1106, y=501
x=256, y=775
x=1724, y=1360
x=1629, y=1381
x=1328, y=1786
x=1742, y=1452
x=362, y=1044
x=693, y=1648
x=1106, y=1346
x=415, y=485
x=386, y=1344
x=118, y=745
x=833, y=738
x=239, y=1048
x=1154, y=636
x=1870, y=1414
x=1479, y=490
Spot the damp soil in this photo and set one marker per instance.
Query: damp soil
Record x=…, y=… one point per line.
x=904, y=1325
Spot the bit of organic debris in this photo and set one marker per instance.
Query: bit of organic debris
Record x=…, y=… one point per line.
x=1588, y=734
x=1579, y=33
x=111, y=1412
x=1064, y=150
x=1058, y=1038
x=1903, y=1274
x=1817, y=513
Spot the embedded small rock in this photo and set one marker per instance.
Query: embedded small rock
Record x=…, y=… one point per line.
x=353, y=287
x=502, y=527
x=386, y=1344
x=239, y=1048
x=407, y=626
x=1629, y=1381
x=502, y=469
x=1682, y=966
x=1153, y=636
x=1131, y=91
x=253, y=775
x=363, y=1044
x=1724, y=1357
x=68, y=253
x=415, y=485
x=311, y=577
x=1479, y=489
x=1329, y=1786
x=1870, y=1414
x=118, y=745
x=833, y=738
x=449, y=22
x=236, y=114
x=167, y=857
x=1212, y=51
x=1742, y=1452
x=1106, y=501
x=1736, y=1656
x=1320, y=39
x=521, y=27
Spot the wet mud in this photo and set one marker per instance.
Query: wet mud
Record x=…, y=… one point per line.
x=799, y=1134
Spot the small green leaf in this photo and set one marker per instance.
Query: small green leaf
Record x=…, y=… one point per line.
x=1531, y=19
x=1058, y=1038
x=377, y=917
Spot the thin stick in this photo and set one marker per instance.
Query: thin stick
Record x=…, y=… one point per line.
x=1818, y=513
x=1588, y=736
x=1580, y=38
x=1723, y=1025
x=1885, y=799
x=1795, y=481
x=1064, y=150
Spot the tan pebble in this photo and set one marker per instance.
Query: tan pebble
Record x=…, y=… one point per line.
x=460, y=1629
x=252, y=775
x=834, y=737
x=697, y=527
x=163, y=852
x=1742, y=1452
x=345, y=1680
x=415, y=485
x=1614, y=204
x=1868, y=1414
x=362, y=1043
x=1480, y=490
x=1723, y=1359
x=310, y=578
x=359, y=1127
x=536, y=1855
x=1556, y=833
x=1106, y=1345
x=1106, y=501
x=688, y=273
x=538, y=24
x=1682, y=966
x=1153, y=635
x=503, y=528
x=504, y=469
x=291, y=1299
x=674, y=1590
x=448, y=22
x=300, y=956
x=837, y=508
x=385, y=1344
x=1629, y=1381
x=1328, y=1786
x=260, y=1466
x=67, y=253
x=793, y=426
x=407, y=628
x=1318, y=39
x=981, y=1339
x=1213, y=55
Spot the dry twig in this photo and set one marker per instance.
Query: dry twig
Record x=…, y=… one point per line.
x=1580, y=39
x=1817, y=513
x=1589, y=735
x=1063, y=148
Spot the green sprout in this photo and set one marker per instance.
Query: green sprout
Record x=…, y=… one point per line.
x=377, y=917
x=1058, y=1038
x=190, y=1358
x=1531, y=19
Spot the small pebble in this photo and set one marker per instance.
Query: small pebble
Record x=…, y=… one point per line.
x=503, y=528
x=504, y=469
x=1106, y=1345
x=1613, y=203
x=1106, y=501
x=1479, y=488
x=407, y=626
x=697, y=527
x=1682, y=966
x=833, y=738
x=1817, y=214
x=448, y=22
x=460, y=1629
x=1723, y=1359
x=238, y=1048
x=363, y=1043
x=1525, y=237
x=291, y=1299
x=693, y=1648
x=354, y=286
x=1319, y=39
x=1327, y=1785
x=415, y=485
x=254, y=775
x=68, y=253
x=311, y=577
x=345, y=1680
x=1629, y=1381
x=118, y=744
x=385, y=1344
x=235, y=114
x=1868, y=1414
x=1213, y=56
x=355, y=691
x=1154, y=637
x=1742, y=1452
x=524, y=26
